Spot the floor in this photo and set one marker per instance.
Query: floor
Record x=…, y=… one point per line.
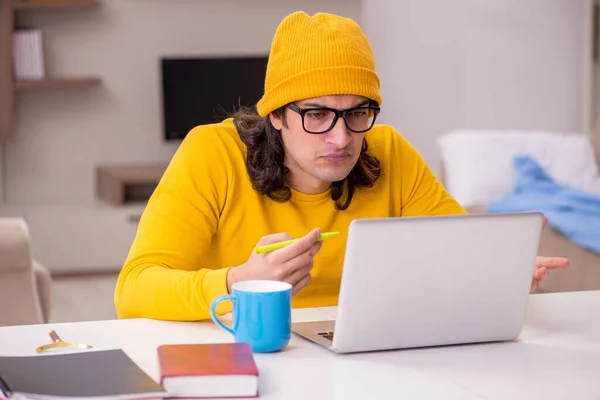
x=83, y=298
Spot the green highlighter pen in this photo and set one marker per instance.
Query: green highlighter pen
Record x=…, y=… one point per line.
x=270, y=247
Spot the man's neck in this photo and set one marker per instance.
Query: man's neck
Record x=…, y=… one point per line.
x=304, y=183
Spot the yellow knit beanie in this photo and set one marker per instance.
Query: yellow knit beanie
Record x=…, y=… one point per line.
x=317, y=56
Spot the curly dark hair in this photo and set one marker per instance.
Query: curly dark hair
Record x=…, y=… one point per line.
x=266, y=155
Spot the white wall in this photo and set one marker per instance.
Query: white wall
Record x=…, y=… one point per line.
x=593, y=111
x=62, y=134
x=525, y=62
x=479, y=64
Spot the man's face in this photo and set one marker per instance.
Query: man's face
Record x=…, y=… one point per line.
x=317, y=160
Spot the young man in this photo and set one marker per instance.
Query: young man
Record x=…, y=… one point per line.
x=308, y=159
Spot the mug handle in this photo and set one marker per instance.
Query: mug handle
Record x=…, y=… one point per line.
x=213, y=313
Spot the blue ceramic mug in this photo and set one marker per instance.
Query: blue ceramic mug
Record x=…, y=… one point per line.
x=262, y=314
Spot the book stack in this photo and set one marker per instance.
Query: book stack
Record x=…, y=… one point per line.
x=28, y=55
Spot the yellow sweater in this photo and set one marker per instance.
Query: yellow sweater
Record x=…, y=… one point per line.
x=205, y=217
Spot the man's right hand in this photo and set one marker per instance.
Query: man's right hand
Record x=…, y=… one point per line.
x=291, y=264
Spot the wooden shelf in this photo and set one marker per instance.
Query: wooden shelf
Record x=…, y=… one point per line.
x=8, y=86
x=121, y=184
x=51, y=83
x=47, y=5
x=6, y=90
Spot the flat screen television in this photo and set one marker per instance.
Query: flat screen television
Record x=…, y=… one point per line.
x=198, y=91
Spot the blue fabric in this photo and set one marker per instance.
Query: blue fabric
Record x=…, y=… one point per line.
x=573, y=212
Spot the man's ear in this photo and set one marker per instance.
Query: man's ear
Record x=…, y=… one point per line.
x=276, y=121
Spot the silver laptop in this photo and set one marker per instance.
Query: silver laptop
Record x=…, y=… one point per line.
x=430, y=281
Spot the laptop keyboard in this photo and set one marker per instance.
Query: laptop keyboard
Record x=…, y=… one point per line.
x=327, y=335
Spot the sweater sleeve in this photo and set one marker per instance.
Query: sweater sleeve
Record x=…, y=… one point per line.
x=422, y=193
x=164, y=275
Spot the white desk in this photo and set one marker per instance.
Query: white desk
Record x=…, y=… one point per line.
x=556, y=357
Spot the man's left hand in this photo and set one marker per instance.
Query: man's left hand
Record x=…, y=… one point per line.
x=544, y=264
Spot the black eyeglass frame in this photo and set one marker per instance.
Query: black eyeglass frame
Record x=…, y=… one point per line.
x=338, y=114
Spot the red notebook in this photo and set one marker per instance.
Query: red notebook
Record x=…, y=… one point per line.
x=208, y=370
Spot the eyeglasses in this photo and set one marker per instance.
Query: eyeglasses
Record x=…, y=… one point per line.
x=322, y=119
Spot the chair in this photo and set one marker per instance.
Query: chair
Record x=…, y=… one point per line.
x=25, y=283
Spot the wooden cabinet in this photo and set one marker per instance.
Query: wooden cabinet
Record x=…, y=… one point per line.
x=73, y=239
x=8, y=86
